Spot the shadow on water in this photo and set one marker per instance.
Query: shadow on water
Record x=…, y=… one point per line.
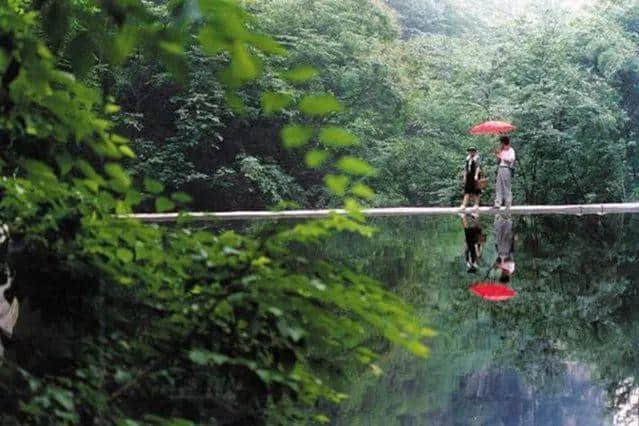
x=563, y=351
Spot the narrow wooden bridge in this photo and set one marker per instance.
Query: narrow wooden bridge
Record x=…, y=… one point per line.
x=576, y=209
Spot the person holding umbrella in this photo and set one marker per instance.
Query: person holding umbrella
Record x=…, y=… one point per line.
x=472, y=191
x=506, y=160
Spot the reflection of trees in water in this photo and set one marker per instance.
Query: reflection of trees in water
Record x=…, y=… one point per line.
x=576, y=283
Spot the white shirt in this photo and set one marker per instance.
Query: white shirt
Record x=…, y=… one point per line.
x=507, y=157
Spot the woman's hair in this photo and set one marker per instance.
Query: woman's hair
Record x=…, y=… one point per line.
x=505, y=140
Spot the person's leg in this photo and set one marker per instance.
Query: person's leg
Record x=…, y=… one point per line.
x=499, y=188
x=465, y=201
x=476, y=198
x=508, y=195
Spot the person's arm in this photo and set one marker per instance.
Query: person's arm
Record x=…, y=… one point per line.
x=477, y=167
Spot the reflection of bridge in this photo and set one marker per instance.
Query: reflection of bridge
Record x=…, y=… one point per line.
x=573, y=209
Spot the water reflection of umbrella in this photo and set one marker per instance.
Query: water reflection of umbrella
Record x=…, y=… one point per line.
x=492, y=291
x=492, y=128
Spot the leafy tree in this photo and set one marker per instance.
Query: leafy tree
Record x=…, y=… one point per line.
x=137, y=323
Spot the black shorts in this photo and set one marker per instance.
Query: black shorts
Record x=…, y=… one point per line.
x=470, y=186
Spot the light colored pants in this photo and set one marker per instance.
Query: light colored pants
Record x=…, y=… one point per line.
x=504, y=236
x=502, y=187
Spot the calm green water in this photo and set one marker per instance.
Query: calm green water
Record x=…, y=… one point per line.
x=559, y=353
x=564, y=351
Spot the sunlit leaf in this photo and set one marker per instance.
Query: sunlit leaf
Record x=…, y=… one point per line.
x=273, y=102
x=301, y=74
x=111, y=108
x=125, y=255
x=337, y=183
x=355, y=166
x=244, y=66
x=267, y=45
x=363, y=191
x=295, y=136
x=212, y=41
x=337, y=137
x=117, y=172
x=316, y=158
x=319, y=105
x=125, y=150
x=125, y=41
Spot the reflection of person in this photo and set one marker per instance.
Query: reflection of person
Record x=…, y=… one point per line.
x=474, y=241
x=506, y=159
x=471, y=178
x=505, y=247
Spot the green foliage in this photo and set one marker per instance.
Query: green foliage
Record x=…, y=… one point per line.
x=129, y=323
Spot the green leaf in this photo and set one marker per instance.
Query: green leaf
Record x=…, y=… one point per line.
x=124, y=149
x=319, y=105
x=125, y=255
x=38, y=169
x=117, y=172
x=244, y=66
x=172, y=48
x=315, y=158
x=355, y=166
x=65, y=163
x=153, y=186
x=199, y=357
x=163, y=204
x=212, y=41
x=181, y=197
x=274, y=102
x=295, y=136
x=301, y=74
x=363, y=191
x=125, y=42
x=111, y=108
x=267, y=45
x=64, y=398
x=337, y=137
x=337, y=183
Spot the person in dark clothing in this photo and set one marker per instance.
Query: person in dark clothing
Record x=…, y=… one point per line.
x=472, y=168
x=474, y=240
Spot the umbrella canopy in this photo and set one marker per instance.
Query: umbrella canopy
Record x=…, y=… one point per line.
x=493, y=291
x=492, y=128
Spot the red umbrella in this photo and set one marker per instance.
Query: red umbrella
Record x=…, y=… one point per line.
x=493, y=291
x=492, y=128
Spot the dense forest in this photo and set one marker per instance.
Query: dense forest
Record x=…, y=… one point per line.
x=121, y=106
x=415, y=75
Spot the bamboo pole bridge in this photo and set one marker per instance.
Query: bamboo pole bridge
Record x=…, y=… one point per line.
x=574, y=209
